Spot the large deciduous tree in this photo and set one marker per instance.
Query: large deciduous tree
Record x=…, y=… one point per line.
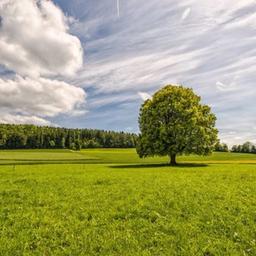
x=174, y=122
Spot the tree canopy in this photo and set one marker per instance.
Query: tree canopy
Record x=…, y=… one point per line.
x=175, y=122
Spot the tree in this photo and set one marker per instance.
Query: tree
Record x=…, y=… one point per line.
x=247, y=147
x=234, y=148
x=78, y=145
x=3, y=139
x=63, y=142
x=175, y=122
x=224, y=147
x=17, y=140
x=52, y=143
x=221, y=147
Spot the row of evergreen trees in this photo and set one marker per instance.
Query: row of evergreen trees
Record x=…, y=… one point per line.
x=31, y=136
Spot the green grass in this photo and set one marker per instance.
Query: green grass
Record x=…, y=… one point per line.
x=110, y=202
x=115, y=156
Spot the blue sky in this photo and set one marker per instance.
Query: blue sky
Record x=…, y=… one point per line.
x=128, y=53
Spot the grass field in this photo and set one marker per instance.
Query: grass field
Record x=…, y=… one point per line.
x=110, y=202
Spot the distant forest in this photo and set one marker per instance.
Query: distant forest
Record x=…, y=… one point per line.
x=42, y=137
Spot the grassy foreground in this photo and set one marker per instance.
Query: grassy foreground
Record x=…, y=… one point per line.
x=109, y=202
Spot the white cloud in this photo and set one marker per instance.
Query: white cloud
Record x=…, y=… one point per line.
x=35, y=44
x=20, y=119
x=144, y=95
x=39, y=97
x=186, y=13
x=77, y=112
x=224, y=87
x=34, y=39
x=144, y=71
x=232, y=85
x=164, y=51
x=118, y=7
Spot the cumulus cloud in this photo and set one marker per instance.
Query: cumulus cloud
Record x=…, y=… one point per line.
x=34, y=39
x=41, y=96
x=144, y=95
x=20, y=119
x=35, y=44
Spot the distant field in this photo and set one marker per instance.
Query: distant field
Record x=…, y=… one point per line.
x=114, y=156
x=110, y=202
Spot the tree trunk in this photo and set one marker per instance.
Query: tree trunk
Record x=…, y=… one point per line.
x=173, y=159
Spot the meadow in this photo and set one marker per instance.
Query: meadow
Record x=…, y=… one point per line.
x=110, y=202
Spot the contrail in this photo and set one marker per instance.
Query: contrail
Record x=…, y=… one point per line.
x=118, y=8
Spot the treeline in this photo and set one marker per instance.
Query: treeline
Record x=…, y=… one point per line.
x=43, y=137
x=247, y=147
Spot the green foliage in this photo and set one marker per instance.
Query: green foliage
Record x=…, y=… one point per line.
x=247, y=147
x=72, y=146
x=63, y=142
x=30, y=136
x=78, y=145
x=52, y=143
x=91, y=144
x=140, y=207
x=175, y=122
x=221, y=147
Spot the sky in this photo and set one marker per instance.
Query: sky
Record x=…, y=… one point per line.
x=92, y=63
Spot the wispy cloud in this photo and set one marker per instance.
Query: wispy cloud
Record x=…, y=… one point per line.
x=118, y=7
x=186, y=13
x=151, y=46
x=144, y=95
